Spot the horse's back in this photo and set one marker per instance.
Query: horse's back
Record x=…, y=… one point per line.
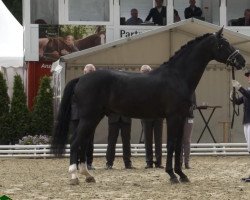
x=131, y=94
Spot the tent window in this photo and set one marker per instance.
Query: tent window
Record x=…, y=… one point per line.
x=85, y=10
x=44, y=12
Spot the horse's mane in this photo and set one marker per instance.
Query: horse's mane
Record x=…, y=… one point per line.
x=186, y=47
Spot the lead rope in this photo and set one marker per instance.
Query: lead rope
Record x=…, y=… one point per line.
x=235, y=111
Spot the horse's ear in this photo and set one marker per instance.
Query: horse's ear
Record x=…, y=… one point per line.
x=219, y=33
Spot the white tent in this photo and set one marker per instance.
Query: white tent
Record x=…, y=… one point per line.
x=11, y=48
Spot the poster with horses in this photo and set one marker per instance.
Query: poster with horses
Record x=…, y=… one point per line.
x=59, y=40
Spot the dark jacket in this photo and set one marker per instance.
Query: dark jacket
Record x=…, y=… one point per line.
x=238, y=22
x=157, y=17
x=189, y=12
x=245, y=99
x=113, y=118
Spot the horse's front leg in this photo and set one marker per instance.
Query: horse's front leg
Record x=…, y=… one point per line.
x=169, y=163
x=178, y=146
x=171, y=130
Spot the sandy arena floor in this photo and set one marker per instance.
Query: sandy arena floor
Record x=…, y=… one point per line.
x=211, y=178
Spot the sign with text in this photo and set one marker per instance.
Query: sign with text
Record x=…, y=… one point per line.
x=130, y=32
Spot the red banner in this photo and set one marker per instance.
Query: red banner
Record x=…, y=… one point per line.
x=36, y=70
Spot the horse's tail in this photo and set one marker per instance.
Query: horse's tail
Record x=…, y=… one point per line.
x=61, y=128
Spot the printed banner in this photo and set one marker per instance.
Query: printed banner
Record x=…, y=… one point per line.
x=59, y=40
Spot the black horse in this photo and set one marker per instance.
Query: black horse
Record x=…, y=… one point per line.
x=163, y=93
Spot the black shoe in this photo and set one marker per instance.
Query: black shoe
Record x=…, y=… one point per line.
x=187, y=166
x=247, y=180
x=159, y=166
x=109, y=166
x=148, y=166
x=244, y=179
x=90, y=167
x=129, y=167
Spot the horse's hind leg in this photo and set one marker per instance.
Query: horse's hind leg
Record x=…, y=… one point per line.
x=85, y=129
x=83, y=169
x=73, y=158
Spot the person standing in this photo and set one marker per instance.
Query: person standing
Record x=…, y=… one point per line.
x=158, y=13
x=187, y=133
x=245, y=100
x=134, y=19
x=152, y=128
x=243, y=21
x=75, y=121
x=118, y=123
x=176, y=16
x=192, y=10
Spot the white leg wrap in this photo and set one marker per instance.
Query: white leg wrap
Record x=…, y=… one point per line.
x=84, y=170
x=72, y=169
x=74, y=176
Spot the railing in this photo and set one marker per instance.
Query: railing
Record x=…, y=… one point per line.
x=43, y=151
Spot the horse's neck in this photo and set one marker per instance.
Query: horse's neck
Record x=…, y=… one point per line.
x=192, y=65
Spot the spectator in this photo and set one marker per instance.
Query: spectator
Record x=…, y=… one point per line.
x=75, y=121
x=244, y=21
x=176, y=16
x=158, y=13
x=152, y=127
x=40, y=21
x=187, y=133
x=192, y=10
x=134, y=20
x=119, y=123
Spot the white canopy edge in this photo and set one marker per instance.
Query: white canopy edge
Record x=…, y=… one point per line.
x=190, y=26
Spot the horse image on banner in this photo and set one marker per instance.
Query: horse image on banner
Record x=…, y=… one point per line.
x=162, y=93
x=56, y=41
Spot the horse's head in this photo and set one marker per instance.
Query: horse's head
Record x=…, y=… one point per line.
x=224, y=52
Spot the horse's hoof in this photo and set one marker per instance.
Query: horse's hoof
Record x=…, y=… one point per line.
x=174, y=180
x=184, y=180
x=74, y=181
x=90, y=179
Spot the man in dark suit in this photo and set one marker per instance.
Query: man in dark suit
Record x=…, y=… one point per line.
x=244, y=21
x=158, y=13
x=152, y=128
x=119, y=123
x=75, y=121
x=192, y=10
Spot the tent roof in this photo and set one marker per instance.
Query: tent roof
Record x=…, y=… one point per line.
x=11, y=34
x=153, y=47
